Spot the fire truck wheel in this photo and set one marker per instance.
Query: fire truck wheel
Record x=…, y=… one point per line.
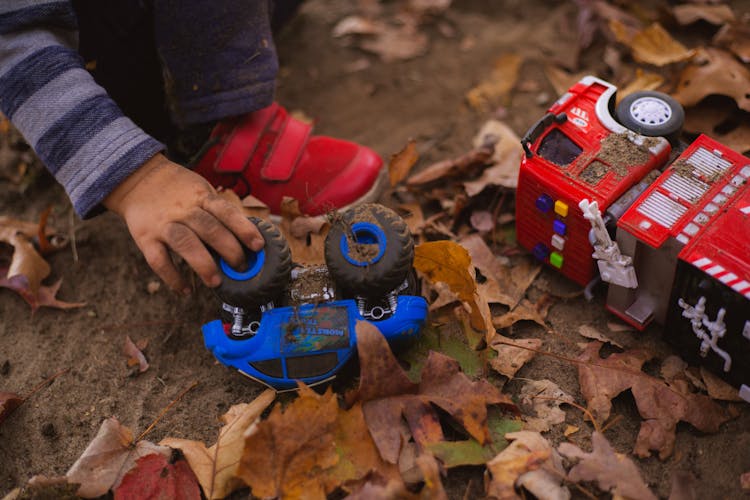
x=266, y=275
x=369, y=251
x=652, y=114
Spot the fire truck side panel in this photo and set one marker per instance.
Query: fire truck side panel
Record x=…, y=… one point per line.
x=691, y=285
x=655, y=272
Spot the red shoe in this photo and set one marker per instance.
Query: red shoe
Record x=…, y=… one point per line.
x=270, y=155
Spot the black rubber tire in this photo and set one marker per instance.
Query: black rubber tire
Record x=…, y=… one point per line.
x=376, y=279
x=655, y=114
x=272, y=279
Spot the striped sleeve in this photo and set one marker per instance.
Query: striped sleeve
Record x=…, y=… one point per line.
x=76, y=129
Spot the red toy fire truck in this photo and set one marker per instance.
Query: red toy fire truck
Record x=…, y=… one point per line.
x=604, y=198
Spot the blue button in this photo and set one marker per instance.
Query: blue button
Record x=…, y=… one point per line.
x=544, y=203
x=540, y=251
x=559, y=227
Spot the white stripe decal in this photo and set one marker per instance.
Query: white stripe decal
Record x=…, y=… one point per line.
x=740, y=287
x=714, y=270
x=728, y=278
x=702, y=262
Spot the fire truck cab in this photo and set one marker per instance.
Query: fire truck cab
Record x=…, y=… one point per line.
x=579, y=151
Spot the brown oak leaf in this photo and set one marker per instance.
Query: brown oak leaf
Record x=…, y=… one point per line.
x=661, y=404
x=389, y=398
x=613, y=472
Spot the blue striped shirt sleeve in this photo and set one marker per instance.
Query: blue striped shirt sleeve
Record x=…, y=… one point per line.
x=73, y=125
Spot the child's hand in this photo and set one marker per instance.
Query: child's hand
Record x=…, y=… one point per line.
x=168, y=207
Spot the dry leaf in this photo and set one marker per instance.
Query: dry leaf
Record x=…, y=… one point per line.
x=402, y=162
x=540, y=400
x=450, y=263
x=570, y=430
x=45, y=296
x=501, y=81
x=714, y=72
x=560, y=79
x=525, y=311
x=389, y=398
x=642, y=81
x=109, y=456
x=592, y=333
x=529, y=462
x=714, y=14
x=512, y=281
x=717, y=388
x=305, y=235
x=506, y=158
x=134, y=354
x=613, y=472
x=652, y=45
x=413, y=216
x=662, y=405
x=512, y=354
x=216, y=466
x=736, y=38
x=728, y=126
x=461, y=166
x=153, y=477
x=8, y=402
x=285, y=454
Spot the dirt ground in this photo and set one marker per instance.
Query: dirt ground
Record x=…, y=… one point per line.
x=382, y=106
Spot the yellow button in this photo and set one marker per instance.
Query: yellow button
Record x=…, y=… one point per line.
x=561, y=208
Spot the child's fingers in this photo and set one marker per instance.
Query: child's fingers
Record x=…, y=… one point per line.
x=158, y=259
x=183, y=241
x=216, y=235
x=233, y=218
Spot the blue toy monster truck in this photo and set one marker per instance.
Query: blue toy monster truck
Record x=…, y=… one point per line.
x=281, y=323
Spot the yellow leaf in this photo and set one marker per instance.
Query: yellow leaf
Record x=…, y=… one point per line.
x=216, y=467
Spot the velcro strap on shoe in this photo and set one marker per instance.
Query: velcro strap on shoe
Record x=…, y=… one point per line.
x=244, y=139
x=291, y=139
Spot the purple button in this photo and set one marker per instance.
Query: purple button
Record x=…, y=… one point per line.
x=540, y=251
x=544, y=203
x=559, y=227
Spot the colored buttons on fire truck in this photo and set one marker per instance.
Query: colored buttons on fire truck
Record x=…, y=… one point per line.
x=556, y=259
x=544, y=203
x=561, y=208
x=540, y=251
x=559, y=227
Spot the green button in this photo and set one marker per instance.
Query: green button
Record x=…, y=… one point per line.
x=556, y=259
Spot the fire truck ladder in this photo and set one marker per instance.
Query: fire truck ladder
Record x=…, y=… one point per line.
x=614, y=267
x=716, y=329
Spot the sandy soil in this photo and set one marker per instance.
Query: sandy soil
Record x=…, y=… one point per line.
x=383, y=106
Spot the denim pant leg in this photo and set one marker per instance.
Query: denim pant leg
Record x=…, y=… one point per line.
x=218, y=57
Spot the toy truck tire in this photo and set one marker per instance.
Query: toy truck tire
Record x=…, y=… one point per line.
x=389, y=257
x=267, y=274
x=653, y=114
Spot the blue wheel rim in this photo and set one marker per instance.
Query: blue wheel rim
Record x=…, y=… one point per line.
x=364, y=233
x=255, y=261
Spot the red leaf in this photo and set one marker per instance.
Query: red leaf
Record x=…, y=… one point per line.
x=8, y=402
x=155, y=478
